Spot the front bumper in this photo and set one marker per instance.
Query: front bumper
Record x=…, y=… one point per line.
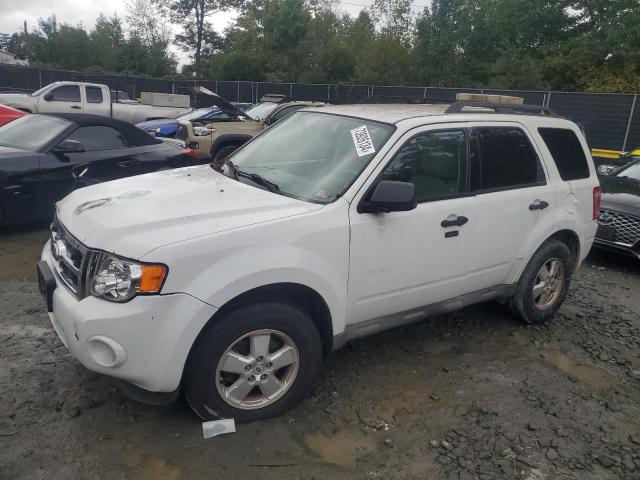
x=144, y=342
x=633, y=250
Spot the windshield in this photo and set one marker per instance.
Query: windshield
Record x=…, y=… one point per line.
x=38, y=92
x=32, y=132
x=312, y=156
x=200, y=112
x=260, y=110
x=632, y=171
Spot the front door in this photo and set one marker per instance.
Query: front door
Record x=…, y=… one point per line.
x=62, y=99
x=404, y=260
x=105, y=156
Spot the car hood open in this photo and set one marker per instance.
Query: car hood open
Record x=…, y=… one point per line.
x=220, y=102
x=135, y=215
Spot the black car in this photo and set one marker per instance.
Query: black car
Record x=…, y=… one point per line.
x=44, y=157
x=619, y=222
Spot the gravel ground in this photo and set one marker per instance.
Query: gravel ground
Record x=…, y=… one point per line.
x=470, y=395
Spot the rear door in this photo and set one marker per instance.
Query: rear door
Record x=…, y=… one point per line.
x=514, y=204
x=62, y=99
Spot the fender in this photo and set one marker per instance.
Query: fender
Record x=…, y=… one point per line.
x=224, y=140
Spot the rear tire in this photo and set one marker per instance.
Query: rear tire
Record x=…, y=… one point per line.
x=544, y=283
x=233, y=370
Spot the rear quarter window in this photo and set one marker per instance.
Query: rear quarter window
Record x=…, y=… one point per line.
x=567, y=153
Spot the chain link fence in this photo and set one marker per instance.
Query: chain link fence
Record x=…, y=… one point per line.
x=611, y=121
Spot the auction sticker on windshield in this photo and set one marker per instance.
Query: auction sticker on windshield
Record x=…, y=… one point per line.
x=362, y=141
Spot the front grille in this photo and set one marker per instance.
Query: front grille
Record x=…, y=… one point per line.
x=70, y=258
x=626, y=227
x=182, y=133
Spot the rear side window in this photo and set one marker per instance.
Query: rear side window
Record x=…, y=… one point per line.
x=435, y=162
x=503, y=158
x=66, y=93
x=567, y=152
x=94, y=94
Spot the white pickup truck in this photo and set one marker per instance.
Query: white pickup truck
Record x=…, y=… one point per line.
x=94, y=98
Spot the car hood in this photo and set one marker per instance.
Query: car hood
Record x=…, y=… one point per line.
x=135, y=215
x=10, y=152
x=167, y=122
x=620, y=194
x=220, y=102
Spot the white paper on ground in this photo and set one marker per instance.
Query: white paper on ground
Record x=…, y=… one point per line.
x=218, y=427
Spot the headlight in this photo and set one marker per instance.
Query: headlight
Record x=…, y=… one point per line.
x=120, y=280
x=203, y=131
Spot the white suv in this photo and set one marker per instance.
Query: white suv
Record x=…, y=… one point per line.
x=331, y=225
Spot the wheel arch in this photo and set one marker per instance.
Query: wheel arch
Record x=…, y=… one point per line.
x=226, y=140
x=566, y=235
x=300, y=295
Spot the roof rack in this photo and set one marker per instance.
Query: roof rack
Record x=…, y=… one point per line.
x=459, y=107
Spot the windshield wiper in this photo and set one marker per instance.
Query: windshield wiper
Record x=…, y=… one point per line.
x=256, y=178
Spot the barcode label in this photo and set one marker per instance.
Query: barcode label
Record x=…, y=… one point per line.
x=362, y=141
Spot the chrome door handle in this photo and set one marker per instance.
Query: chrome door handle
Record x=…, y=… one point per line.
x=454, y=220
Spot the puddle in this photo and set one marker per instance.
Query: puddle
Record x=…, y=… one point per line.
x=594, y=376
x=343, y=448
x=150, y=468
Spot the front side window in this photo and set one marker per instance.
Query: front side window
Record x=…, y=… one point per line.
x=98, y=138
x=435, y=162
x=311, y=156
x=503, y=158
x=567, y=152
x=66, y=93
x=94, y=94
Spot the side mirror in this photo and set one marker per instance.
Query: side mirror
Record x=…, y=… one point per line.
x=390, y=196
x=68, y=146
x=268, y=120
x=48, y=97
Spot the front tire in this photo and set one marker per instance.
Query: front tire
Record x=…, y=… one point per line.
x=543, y=285
x=224, y=152
x=256, y=362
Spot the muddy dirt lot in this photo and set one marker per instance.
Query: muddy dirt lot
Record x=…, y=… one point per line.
x=471, y=395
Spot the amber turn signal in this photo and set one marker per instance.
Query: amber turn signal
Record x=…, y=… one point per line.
x=152, y=278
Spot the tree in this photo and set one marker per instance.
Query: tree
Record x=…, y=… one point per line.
x=192, y=16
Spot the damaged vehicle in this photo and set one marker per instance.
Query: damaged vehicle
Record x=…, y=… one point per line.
x=220, y=137
x=335, y=223
x=44, y=157
x=619, y=221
